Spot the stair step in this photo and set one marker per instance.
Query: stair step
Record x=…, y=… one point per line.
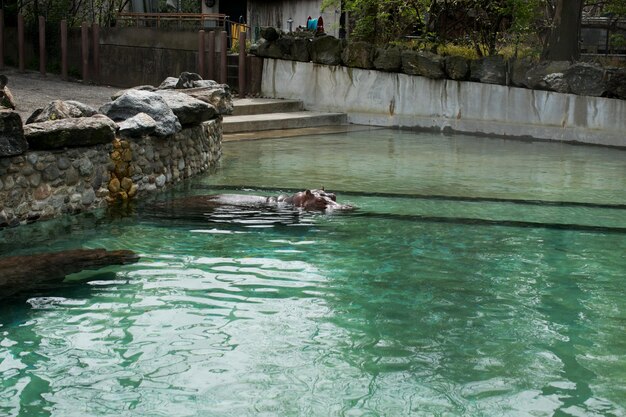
x=288, y=120
x=246, y=106
x=289, y=133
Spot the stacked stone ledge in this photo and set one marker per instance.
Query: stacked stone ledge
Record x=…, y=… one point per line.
x=573, y=78
x=71, y=158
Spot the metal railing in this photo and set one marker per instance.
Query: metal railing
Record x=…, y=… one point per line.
x=185, y=21
x=604, y=22
x=172, y=20
x=603, y=35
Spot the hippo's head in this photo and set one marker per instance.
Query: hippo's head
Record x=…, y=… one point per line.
x=318, y=200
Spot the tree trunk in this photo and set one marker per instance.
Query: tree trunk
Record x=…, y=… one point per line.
x=565, y=32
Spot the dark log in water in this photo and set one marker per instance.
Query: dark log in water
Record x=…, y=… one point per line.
x=19, y=273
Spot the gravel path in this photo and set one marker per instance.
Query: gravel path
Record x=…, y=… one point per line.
x=32, y=91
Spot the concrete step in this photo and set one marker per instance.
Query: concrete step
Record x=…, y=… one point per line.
x=292, y=133
x=246, y=106
x=289, y=120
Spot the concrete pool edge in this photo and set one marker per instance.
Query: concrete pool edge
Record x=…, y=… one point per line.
x=398, y=100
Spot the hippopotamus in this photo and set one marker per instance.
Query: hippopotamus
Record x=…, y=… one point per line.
x=309, y=200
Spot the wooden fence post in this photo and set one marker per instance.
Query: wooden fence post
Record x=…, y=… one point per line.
x=223, y=58
x=242, y=64
x=64, y=49
x=211, y=60
x=84, y=37
x=201, y=53
x=1, y=39
x=96, y=52
x=42, y=45
x=20, y=42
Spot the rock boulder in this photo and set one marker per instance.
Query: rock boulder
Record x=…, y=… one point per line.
x=218, y=96
x=269, y=33
x=270, y=50
x=12, y=140
x=187, y=80
x=326, y=50
x=139, y=87
x=388, y=59
x=75, y=132
x=133, y=102
x=60, y=109
x=207, y=84
x=358, y=55
x=456, y=67
x=556, y=82
x=586, y=79
x=286, y=45
x=168, y=84
x=422, y=63
x=188, y=110
x=518, y=69
x=137, y=126
x=535, y=74
x=616, y=85
x=301, y=49
x=489, y=70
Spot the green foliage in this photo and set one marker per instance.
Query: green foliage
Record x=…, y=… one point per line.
x=486, y=24
x=520, y=26
x=381, y=21
x=464, y=51
x=616, y=7
x=617, y=40
x=74, y=11
x=480, y=23
x=186, y=6
x=234, y=48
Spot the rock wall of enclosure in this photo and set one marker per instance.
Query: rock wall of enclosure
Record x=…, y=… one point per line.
x=69, y=158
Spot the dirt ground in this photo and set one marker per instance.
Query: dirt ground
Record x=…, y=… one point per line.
x=32, y=91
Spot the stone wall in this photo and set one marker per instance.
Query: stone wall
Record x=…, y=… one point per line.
x=158, y=162
x=40, y=185
x=579, y=78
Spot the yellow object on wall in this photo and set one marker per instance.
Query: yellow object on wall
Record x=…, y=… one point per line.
x=236, y=29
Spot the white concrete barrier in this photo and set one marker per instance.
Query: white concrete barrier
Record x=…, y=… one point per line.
x=390, y=99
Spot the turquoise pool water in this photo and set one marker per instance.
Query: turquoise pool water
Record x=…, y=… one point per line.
x=478, y=277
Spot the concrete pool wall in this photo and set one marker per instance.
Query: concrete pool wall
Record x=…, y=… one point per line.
x=378, y=98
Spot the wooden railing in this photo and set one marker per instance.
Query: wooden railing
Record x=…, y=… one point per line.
x=172, y=20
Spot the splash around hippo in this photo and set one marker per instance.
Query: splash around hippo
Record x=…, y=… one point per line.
x=307, y=200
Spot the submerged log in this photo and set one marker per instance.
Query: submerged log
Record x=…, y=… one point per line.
x=19, y=273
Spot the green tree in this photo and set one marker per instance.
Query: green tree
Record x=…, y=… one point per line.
x=550, y=26
x=103, y=12
x=525, y=15
x=616, y=7
x=381, y=21
x=562, y=42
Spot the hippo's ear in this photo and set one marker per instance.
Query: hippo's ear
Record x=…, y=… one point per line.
x=308, y=192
